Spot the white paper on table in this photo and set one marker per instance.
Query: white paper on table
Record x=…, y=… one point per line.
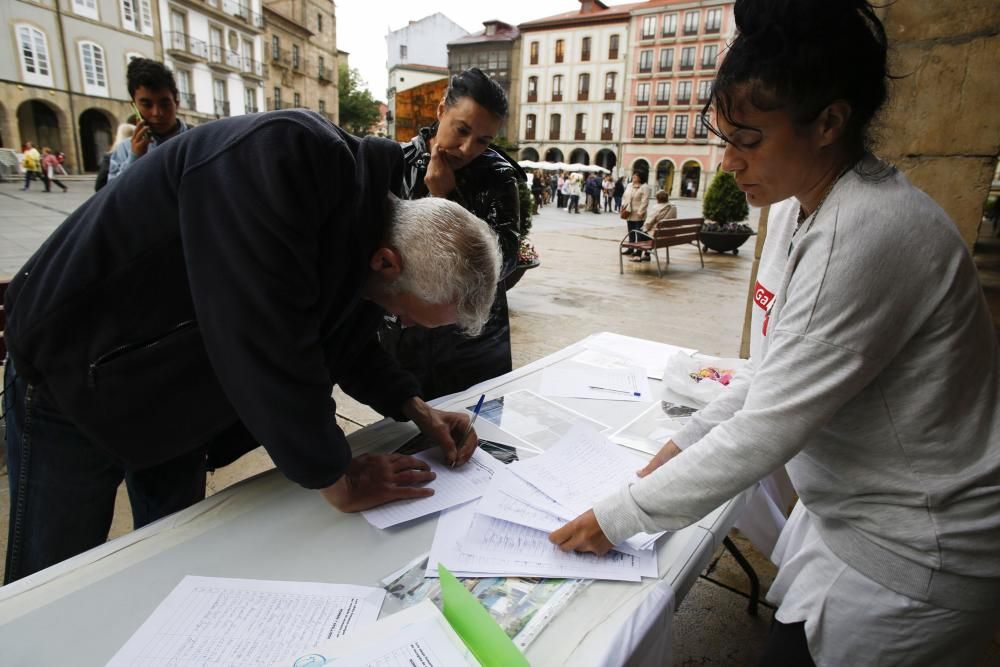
x=419, y=635
x=650, y=355
x=452, y=486
x=451, y=547
x=650, y=430
x=246, y=621
x=532, y=419
x=574, y=380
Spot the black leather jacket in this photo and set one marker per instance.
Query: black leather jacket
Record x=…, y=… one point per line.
x=443, y=359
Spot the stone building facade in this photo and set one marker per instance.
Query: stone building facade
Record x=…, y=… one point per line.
x=62, y=72
x=302, y=56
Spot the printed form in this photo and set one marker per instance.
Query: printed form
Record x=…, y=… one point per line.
x=452, y=486
x=216, y=621
x=573, y=380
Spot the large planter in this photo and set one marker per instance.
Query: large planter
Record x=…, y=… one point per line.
x=518, y=273
x=724, y=241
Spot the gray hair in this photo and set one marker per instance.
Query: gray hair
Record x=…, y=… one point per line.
x=449, y=256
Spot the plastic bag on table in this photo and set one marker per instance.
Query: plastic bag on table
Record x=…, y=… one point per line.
x=699, y=380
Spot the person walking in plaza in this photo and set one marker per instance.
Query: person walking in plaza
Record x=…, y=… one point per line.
x=454, y=159
x=635, y=200
x=208, y=303
x=154, y=94
x=537, y=187
x=619, y=192
x=574, y=194
x=32, y=165
x=874, y=371
x=50, y=168
x=594, y=193
x=608, y=192
x=657, y=212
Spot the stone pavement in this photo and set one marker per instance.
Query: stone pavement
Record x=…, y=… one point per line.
x=576, y=291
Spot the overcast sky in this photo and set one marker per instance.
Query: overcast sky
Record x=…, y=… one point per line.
x=363, y=24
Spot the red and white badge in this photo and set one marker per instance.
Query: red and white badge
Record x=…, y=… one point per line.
x=764, y=298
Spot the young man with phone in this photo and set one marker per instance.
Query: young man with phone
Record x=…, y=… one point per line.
x=154, y=99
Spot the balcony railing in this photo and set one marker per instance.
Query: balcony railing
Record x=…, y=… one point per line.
x=639, y=134
x=580, y=135
x=236, y=8
x=687, y=67
x=688, y=31
x=183, y=44
x=274, y=105
x=645, y=69
x=680, y=134
x=683, y=99
x=218, y=55
x=606, y=135
x=612, y=54
x=253, y=68
x=279, y=57
x=557, y=97
x=609, y=95
x=554, y=135
x=582, y=95
x=642, y=101
x=659, y=134
x=666, y=67
x=585, y=55
x=186, y=101
x=325, y=74
x=252, y=109
x=529, y=135
x=221, y=108
x=532, y=95
x=662, y=100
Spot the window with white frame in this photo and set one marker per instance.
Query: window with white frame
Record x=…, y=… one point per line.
x=663, y=92
x=648, y=27
x=250, y=100
x=95, y=69
x=639, y=127
x=183, y=79
x=713, y=20
x=646, y=60
x=708, y=55
x=670, y=25
x=557, y=82
x=666, y=60
x=691, y=23
x=687, y=57
x=660, y=126
x=683, y=92
x=700, y=127
x=86, y=8
x=704, y=90
x=680, y=126
x=137, y=16
x=34, y=50
x=642, y=93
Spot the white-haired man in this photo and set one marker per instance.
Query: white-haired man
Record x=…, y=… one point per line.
x=169, y=326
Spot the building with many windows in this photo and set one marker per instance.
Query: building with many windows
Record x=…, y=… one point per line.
x=674, y=54
x=62, y=74
x=214, y=49
x=573, y=70
x=496, y=51
x=302, y=56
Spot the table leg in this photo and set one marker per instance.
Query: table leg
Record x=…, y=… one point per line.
x=748, y=569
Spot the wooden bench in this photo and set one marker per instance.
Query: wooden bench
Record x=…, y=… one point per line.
x=679, y=231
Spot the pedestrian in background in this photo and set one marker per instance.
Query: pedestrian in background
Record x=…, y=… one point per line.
x=618, y=192
x=50, y=167
x=32, y=165
x=659, y=211
x=608, y=192
x=123, y=134
x=574, y=194
x=635, y=201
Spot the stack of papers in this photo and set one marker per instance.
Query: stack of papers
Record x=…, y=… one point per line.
x=581, y=380
x=452, y=486
x=506, y=533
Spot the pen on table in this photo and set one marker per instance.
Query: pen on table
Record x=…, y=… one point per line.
x=475, y=414
x=617, y=391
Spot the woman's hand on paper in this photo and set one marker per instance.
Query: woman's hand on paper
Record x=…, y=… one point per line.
x=449, y=429
x=667, y=452
x=372, y=480
x=582, y=534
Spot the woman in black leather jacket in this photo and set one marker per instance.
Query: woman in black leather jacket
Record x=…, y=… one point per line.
x=454, y=158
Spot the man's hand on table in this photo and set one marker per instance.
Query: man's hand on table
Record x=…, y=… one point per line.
x=373, y=480
x=446, y=428
x=582, y=534
x=667, y=452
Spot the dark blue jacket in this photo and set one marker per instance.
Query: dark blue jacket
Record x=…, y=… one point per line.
x=215, y=287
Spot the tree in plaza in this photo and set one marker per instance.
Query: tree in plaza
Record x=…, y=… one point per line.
x=358, y=109
x=724, y=201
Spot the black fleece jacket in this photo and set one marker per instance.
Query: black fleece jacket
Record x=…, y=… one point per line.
x=217, y=284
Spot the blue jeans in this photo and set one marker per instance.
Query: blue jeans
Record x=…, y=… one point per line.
x=62, y=486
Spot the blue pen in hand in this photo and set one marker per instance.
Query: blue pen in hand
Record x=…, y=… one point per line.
x=472, y=422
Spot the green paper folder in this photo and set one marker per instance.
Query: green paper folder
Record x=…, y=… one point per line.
x=477, y=629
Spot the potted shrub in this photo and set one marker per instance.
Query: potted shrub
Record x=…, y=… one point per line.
x=725, y=209
x=527, y=256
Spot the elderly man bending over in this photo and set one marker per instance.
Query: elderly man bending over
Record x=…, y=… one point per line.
x=169, y=326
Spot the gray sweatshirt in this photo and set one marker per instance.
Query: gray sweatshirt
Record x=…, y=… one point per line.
x=874, y=376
